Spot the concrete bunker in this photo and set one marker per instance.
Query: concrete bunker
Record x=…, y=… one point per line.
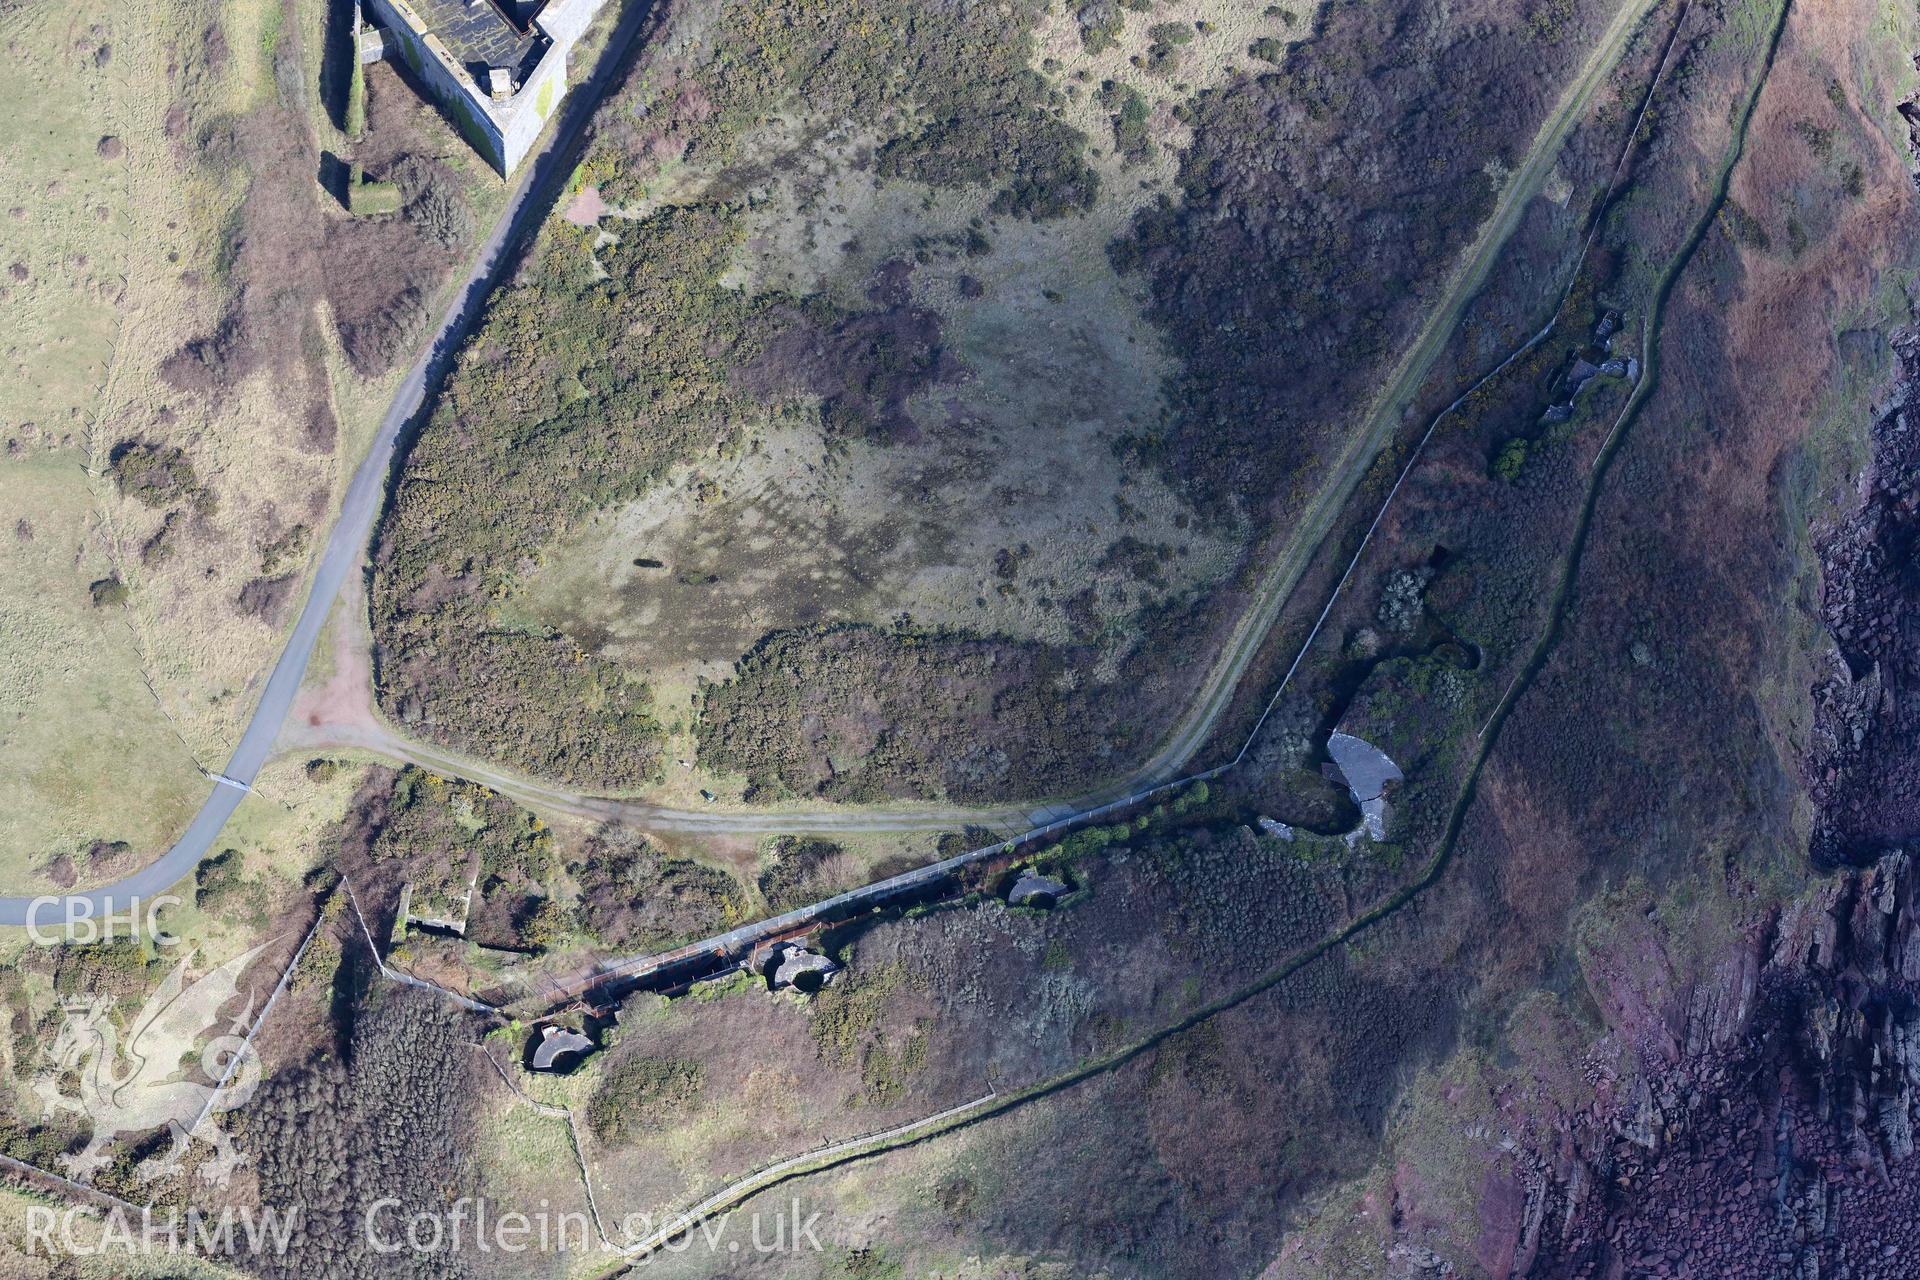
x=788, y=965
x=558, y=1049
x=1041, y=892
x=1365, y=770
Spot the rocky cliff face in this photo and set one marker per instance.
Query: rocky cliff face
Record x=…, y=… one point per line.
x=1863, y=773
x=1777, y=1143
x=1750, y=1109
x=1766, y=1125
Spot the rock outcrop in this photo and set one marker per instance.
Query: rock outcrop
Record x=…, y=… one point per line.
x=1768, y=1129
x=1862, y=772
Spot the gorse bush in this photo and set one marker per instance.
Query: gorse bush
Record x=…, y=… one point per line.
x=899, y=714
x=642, y=1092
x=961, y=71
x=1511, y=460
x=157, y=476
x=798, y=872
x=634, y=896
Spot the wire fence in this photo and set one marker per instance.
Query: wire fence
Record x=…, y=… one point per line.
x=730, y=943
x=246, y=1045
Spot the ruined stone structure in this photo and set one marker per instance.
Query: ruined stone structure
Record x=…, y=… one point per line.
x=498, y=67
x=559, y=1046
x=1035, y=890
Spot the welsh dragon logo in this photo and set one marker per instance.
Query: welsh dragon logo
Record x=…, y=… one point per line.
x=138, y=1088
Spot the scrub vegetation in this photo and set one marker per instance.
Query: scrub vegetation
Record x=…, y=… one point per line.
x=873, y=435
x=191, y=364
x=716, y=499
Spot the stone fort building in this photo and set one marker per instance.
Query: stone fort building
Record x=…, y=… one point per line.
x=498, y=67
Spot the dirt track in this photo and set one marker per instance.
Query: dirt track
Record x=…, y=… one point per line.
x=529, y=201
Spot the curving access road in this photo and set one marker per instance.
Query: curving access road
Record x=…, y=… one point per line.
x=526, y=205
x=1281, y=577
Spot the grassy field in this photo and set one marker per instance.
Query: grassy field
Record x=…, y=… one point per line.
x=161, y=204
x=86, y=753
x=67, y=223
x=103, y=235
x=24, y=1259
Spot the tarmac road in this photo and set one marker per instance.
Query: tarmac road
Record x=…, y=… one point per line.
x=539, y=180
x=1288, y=563
x=366, y=492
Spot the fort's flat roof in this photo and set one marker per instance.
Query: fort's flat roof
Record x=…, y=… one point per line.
x=478, y=34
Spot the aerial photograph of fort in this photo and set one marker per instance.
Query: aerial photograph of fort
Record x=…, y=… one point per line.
x=960, y=640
